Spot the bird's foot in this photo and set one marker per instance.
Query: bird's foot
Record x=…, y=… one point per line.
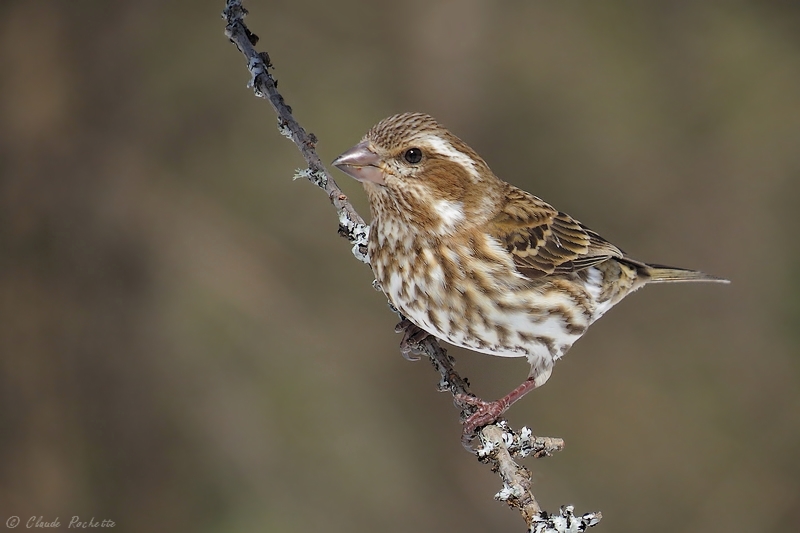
x=487, y=413
x=412, y=336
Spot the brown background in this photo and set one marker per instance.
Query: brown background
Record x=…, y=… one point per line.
x=186, y=344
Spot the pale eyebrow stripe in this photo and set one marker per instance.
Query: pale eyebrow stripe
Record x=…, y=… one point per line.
x=444, y=148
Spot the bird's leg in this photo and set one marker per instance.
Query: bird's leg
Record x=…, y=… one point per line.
x=412, y=336
x=488, y=412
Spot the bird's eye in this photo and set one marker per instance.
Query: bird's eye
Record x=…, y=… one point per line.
x=413, y=155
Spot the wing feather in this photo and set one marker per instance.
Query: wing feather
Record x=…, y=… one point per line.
x=543, y=240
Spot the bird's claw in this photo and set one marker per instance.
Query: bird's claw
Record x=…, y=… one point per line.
x=412, y=336
x=486, y=413
x=470, y=399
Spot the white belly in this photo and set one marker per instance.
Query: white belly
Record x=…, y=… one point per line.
x=494, y=311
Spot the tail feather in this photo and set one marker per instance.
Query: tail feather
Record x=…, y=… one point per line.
x=665, y=274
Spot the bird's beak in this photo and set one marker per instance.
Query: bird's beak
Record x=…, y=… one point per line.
x=361, y=163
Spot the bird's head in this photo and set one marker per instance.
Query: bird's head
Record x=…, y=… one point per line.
x=412, y=166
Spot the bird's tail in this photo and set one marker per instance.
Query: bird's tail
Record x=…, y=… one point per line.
x=665, y=274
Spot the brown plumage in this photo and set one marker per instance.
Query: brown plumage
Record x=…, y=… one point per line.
x=479, y=263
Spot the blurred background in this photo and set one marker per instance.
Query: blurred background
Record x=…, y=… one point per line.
x=187, y=345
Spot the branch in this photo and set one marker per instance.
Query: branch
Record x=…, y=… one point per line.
x=351, y=225
x=500, y=444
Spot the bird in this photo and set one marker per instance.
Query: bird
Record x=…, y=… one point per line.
x=479, y=263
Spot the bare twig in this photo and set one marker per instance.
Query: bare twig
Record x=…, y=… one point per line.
x=499, y=443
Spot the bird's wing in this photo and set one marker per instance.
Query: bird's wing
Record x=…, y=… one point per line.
x=543, y=241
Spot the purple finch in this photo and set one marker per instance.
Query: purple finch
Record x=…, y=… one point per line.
x=479, y=263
